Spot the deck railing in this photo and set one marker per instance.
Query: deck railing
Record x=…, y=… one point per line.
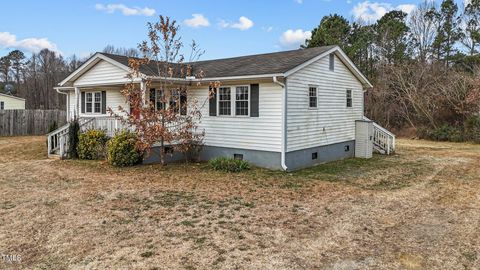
x=57, y=142
x=110, y=125
x=383, y=140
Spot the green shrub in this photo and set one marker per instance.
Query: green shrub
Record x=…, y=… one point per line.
x=472, y=129
x=121, y=150
x=91, y=144
x=446, y=133
x=229, y=164
x=73, y=132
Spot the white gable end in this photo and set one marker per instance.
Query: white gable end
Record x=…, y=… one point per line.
x=331, y=121
x=102, y=73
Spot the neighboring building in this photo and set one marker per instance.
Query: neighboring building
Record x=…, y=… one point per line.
x=9, y=102
x=284, y=110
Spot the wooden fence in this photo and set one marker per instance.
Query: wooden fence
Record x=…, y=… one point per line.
x=30, y=122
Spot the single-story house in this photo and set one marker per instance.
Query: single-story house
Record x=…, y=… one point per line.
x=11, y=102
x=284, y=110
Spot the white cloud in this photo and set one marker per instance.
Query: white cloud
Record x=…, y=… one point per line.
x=197, y=20
x=8, y=40
x=371, y=11
x=299, y=1
x=407, y=8
x=267, y=29
x=243, y=23
x=294, y=38
x=127, y=11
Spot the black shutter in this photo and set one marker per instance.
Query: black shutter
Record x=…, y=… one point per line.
x=183, y=103
x=254, y=101
x=104, y=102
x=152, y=97
x=82, y=102
x=213, y=102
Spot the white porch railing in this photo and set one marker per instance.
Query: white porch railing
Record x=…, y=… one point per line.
x=57, y=142
x=58, y=139
x=110, y=125
x=383, y=140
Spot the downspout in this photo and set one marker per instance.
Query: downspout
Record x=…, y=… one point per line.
x=284, y=122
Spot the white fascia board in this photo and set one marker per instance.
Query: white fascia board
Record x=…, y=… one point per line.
x=350, y=65
x=14, y=97
x=246, y=77
x=122, y=82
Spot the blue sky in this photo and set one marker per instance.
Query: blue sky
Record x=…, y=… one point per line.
x=222, y=28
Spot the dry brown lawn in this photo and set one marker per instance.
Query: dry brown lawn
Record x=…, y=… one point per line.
x=418, y=209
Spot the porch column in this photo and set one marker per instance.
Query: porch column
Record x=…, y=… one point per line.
x=143, y=88
x=77, y=102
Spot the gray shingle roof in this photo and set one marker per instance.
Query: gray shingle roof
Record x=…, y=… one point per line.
x=269, y=63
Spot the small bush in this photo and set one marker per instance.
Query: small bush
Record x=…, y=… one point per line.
x=445, y=133
x=91, y=144
x=472, y=129
x=229, y=164
x=121, y=151
x=73, y=132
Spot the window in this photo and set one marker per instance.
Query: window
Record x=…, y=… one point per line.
x=312, y=97
x=159, y=100
x=224, y=101
x=93, y=102
x=332, y=62
x=314, y=155
x=241, y=100
x=2, y=105
x=174, y=100
x=157, y=97
x=98, y=102
x=88, y=102
x=349, y=98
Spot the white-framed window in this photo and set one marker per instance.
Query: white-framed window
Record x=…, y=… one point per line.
x=93, y=102
x=177, y=100
x=224, y=101
x=241, y=100
x=2, y=105
x=349, y=98
x=233, y=100
x=312, y=97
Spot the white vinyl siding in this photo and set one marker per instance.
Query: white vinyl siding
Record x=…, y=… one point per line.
x=255, y=133
x=102, y=73
x=113, y=99
x=12, y=103
x=332, y=122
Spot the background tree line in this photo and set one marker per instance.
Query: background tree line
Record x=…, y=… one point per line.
x=425, y=67
x=35, y=76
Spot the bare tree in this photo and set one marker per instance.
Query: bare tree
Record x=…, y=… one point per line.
x=422, y=30
x=167, y=119
x=130, y=52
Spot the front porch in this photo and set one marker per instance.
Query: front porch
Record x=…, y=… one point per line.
x=58, y=140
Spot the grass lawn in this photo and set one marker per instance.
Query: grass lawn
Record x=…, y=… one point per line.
x=418, y=209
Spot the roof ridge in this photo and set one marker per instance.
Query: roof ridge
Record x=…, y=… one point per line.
x=235, y=57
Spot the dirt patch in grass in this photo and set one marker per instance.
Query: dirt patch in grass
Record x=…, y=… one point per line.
x=418, y=209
